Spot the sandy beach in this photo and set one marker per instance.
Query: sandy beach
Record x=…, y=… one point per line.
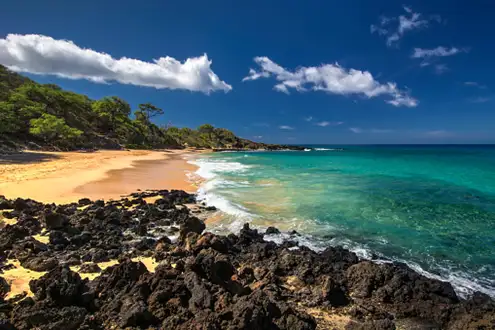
x=64, y=177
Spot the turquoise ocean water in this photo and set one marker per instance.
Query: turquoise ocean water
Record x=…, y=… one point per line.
x=432, y=207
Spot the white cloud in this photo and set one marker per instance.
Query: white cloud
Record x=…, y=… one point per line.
x=394, y=28
x=310, y=118
x=286, y=127
x=441, y=69
x=258, y=137
x=440, y=51
x=253, y=75
x=329, y=123
x=394, y=37
x=280, y=87
x=355, y=130
x=330, y=78
x=378, y=30
x=44, y=55
x=475, y=84
x=411, y=23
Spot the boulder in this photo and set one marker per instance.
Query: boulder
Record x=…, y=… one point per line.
x=84, y=202
x=271, y=231
x=60, y=287
x=89, y=268
x=37, y=317
x=10, y=235
x=5, y=204
x=4, y=288
x=40, y=263
x=54, y=220
x=191, y=224
x=58, y=238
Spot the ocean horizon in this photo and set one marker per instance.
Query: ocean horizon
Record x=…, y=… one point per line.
x=429, y=206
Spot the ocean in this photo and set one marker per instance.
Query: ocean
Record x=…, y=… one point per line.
x=431, y=207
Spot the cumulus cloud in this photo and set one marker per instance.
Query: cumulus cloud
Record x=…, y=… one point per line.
x=38, y=54
x=440, y=51
x=329, y=78
x=329, y=123
x=394, y=28
x=286, y=127
x=310, y=118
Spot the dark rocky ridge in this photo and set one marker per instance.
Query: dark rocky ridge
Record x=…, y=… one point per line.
x=265, y=147
x=205, y=281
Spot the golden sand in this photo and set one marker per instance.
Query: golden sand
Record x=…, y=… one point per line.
x=6, y=221
x=91, y=276
x=64, y=177
x=18, y=278
x=328, y=319
x=41, y=238
x=151, y=200
x=149, y=262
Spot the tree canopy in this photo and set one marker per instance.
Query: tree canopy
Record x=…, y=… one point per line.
x=47, y=115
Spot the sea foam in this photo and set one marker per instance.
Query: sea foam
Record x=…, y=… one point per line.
x=213, y=170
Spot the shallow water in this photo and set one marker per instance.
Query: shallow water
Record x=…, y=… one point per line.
x=432, y=207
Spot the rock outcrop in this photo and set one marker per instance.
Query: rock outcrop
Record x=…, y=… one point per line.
x=203, y=280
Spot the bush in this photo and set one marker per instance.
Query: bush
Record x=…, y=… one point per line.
x=51, y=128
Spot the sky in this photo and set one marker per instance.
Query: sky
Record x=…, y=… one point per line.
x=296, y=72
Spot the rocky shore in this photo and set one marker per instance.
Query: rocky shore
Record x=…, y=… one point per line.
x=146, y=262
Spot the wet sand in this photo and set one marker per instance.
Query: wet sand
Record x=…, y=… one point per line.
x=169, y=173
x=64, y=177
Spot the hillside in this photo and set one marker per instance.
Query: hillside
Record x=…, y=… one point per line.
x=37, y=116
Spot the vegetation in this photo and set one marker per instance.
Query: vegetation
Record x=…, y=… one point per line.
x=52, y=128
x=49, y=117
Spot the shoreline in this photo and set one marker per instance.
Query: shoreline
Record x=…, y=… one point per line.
x=105, y=174
x=157, y=255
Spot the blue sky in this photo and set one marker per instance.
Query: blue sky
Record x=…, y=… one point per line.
x=320, y=69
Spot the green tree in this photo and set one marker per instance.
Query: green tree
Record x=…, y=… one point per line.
x=9, y=122
x=111, y=111
x=149, y=111
x=140, y=116
x=206, y=129
x=51, y=128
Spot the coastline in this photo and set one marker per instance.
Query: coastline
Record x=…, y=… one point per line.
x=64, y=177
x=159, y=235
x=88, y=257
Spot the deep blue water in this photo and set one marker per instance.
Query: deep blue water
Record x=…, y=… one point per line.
x=432, y=207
